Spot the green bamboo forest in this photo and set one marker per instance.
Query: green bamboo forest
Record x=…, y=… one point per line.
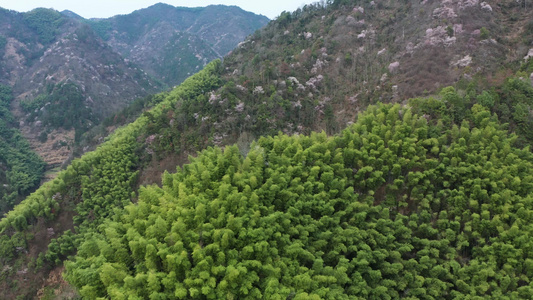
x=394, y=206
x=274, y=196
x=403, y=203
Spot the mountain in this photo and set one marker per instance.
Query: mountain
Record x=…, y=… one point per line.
x=54, y=64
x=383, y=50
x=425, y=197
x=150, y=37
x=43, y=50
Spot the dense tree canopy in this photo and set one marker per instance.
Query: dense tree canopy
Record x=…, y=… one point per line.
x=93, y=188
x=424, y=201
x=21, y=169
x=392, y=207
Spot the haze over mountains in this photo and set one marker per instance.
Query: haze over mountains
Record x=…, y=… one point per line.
x=426, y=196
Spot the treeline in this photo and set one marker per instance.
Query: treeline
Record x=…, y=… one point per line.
x=395, y=206
x=512, y=101
x=21, y=169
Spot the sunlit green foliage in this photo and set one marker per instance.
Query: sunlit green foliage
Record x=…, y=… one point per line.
x=515, y=105
x=389, y=208
x=512, y=102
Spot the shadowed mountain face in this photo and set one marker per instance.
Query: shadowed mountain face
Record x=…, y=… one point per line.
x=44, y=48
x=64, y=79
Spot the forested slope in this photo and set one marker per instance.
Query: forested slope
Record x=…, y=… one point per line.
x=93, y=188
x=430, y=198
x=315, y=68
x=395, y=206
x=21, y=169
x=443, y=172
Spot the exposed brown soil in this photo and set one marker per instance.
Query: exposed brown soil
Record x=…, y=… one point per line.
x=152, y=173
x=56, y=150
x=56, y=286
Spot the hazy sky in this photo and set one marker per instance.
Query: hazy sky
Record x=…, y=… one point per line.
x=108, y=8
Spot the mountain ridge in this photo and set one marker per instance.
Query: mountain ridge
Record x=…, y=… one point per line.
x=151, y=27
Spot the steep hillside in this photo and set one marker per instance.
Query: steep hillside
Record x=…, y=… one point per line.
x=21, y=169
x=66, y=78
x=429, y=198
x=316, y=68
x=45, y=228
x=150, y=37
x=352, y=53
x=44, y=48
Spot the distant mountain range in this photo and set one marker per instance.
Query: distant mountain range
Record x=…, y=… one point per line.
x=107, y=63
x=166, y=41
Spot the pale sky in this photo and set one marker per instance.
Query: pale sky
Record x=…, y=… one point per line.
x=108, y=8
